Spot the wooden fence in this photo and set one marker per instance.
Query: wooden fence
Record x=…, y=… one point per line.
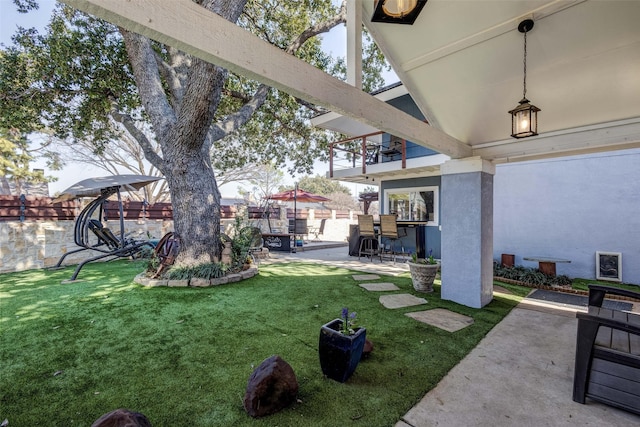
x=32, y=208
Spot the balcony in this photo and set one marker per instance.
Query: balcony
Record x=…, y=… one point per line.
x=378, y=156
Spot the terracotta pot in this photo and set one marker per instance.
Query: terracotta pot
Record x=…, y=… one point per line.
x=340, y=354
x=423, y=276
x=508, y=260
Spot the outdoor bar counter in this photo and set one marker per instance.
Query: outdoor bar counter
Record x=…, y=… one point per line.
x=412, y=235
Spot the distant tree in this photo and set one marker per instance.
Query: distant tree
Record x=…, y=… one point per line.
x=264, y=179
x=369, y=189
x=321, y=185
x=15, y=161
x=341, y=201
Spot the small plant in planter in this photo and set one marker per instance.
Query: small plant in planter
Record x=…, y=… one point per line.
x=423, y=272
x=340, y=346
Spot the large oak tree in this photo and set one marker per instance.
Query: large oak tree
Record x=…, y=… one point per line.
x=86, y=79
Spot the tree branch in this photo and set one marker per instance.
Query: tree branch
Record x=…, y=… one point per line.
x=171, y=77
x=149, y=152
x=147, y=76
x=323, y=27
x=232, y=122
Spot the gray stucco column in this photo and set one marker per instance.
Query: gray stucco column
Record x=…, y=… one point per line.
x=467, y=231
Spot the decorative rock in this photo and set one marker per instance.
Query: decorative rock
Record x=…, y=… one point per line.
x=178, y=283
x=232, y=278
x=156, y=282
x=122, y=418
x=219, y=281
x=271, y=387
x=141, y=279
x=247, y=274
x=199, y=282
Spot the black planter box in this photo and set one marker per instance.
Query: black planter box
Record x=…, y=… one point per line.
x=340, y=354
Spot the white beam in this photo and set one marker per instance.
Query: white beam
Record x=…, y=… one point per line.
x=354, y=43
x=618, y=135
x=191, y=28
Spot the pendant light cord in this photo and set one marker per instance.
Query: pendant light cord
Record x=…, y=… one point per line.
x=524, y=83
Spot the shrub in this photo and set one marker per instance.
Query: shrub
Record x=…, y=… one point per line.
x=531, y=276
x=204, y=271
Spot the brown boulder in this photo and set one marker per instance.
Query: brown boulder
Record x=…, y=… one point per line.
x=122, y=418
x=271, y=387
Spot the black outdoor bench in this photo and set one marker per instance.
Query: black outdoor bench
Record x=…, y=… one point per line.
x=607, y=366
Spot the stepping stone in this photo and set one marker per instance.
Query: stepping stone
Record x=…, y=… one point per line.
x=401, y=300
x=365, y=277
x=378, y=287
x=443, y=319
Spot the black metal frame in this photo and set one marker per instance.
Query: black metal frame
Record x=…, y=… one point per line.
x=108, y=243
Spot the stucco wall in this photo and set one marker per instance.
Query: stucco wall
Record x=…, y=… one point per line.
x=570, y=208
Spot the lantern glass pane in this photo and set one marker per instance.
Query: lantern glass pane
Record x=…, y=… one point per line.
x=398, y=8
x=523, y=121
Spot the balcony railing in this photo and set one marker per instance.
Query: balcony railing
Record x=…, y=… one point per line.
x=362, y=150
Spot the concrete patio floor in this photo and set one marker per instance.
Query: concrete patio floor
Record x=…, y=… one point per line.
x=336, y=254
x=521, y=373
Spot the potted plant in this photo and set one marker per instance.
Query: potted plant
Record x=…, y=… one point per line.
x=340, y=346
x=423, y=272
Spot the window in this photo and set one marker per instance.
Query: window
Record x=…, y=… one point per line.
x=413, y=204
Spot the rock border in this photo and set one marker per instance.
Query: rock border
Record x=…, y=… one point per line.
x=196, y=282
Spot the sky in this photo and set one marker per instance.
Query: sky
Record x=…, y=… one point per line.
x=333, y=42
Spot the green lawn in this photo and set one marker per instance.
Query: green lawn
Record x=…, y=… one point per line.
x=182, y=356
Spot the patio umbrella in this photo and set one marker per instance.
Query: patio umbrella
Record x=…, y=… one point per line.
x=297, y=195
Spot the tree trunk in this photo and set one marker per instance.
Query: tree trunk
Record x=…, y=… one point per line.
x=196, y=208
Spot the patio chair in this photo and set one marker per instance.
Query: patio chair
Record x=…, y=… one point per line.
x=607, y=362
x=299, y=228
x=318, y=231
x=389, y=233
x=369, y=245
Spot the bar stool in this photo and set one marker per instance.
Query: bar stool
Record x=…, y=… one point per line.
x=389, y=231
x=369, y=245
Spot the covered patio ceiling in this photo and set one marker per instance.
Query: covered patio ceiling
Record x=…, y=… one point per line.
x=462, y=63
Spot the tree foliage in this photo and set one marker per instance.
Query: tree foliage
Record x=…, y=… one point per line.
x=318, y=184
x=88, y=80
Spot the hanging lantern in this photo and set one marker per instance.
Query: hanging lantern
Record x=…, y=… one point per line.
x=524, y=118
x=397, y=11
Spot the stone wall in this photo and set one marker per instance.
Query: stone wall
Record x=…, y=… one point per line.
x=39, y=244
